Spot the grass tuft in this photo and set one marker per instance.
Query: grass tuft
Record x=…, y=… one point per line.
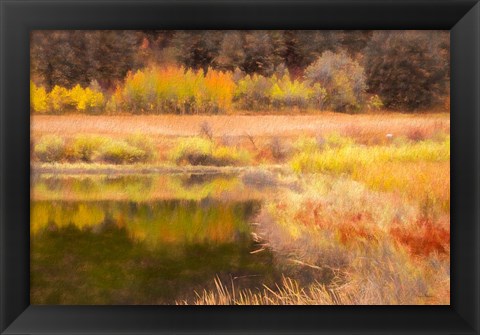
x=201, y=151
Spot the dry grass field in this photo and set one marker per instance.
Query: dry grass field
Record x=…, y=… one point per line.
x=366, y=127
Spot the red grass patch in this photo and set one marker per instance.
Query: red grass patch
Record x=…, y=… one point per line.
x=350, y=233
x=358, y=227
x=423, y=238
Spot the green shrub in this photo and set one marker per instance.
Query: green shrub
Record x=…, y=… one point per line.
x=86, y=147
x=120, y=152
x=224, y=156
x=191, y=147
x=201, y=151
x=50, y=148
x=145, y=144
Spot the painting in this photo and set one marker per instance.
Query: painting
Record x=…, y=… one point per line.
x=240, y=167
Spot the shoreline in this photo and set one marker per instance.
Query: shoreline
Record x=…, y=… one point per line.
x=94, y=169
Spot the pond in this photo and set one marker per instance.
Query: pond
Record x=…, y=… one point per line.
x=144, y=239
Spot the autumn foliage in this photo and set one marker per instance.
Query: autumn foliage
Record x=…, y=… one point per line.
x=334, y=82
x=60, y=99
x=173, y=90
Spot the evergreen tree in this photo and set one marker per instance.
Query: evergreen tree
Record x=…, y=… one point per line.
x=68, y=58
x=406, y=69
x=231, y=54
x=197, y=49
x=263, y=52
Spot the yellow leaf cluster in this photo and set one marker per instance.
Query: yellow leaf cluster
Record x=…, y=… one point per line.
x=38, y=98
x=85, y=98
x=61, y=99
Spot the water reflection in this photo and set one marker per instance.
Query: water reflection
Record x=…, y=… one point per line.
x=91, y=245
x=146, y=187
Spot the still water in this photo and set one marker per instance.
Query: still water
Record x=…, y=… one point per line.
x=144, y=239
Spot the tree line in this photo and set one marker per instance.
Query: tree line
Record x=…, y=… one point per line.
x=408, y=70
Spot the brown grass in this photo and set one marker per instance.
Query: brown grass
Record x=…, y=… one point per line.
x=364, y=126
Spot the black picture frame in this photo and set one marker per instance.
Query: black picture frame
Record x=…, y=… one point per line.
x=19, y=17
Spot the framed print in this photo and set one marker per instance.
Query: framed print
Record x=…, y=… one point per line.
x=306, y=167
